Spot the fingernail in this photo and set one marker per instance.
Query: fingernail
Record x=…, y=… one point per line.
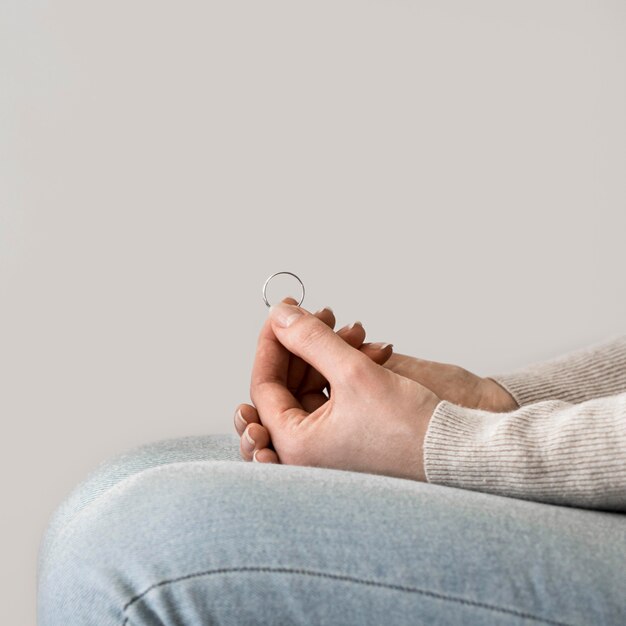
x=240, y=418
x=381, y=346
x=346, y=327
x=254, y=457
x=247, y=436
x=285, y=314
x=326, y=308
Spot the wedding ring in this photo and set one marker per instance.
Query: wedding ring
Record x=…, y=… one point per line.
x=272, y=276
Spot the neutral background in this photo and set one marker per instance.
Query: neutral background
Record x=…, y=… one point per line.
x=450, y=173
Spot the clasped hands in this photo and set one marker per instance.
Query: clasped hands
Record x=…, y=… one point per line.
x=379, y=404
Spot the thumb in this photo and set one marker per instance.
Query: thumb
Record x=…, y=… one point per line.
x=306, y=336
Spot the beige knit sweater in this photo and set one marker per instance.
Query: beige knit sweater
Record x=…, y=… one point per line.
x=566, y=444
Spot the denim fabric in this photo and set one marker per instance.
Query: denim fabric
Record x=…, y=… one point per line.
x=183, y=533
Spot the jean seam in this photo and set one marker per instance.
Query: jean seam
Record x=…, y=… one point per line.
x=362, y=581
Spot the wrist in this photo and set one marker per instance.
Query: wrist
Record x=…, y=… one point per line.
x=495, y=398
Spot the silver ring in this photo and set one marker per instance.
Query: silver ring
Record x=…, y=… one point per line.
x=272, y=276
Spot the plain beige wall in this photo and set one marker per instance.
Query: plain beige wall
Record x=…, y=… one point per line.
x=451, y=173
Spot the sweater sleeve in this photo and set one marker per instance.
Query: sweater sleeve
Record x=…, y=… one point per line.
x=551, y=451
x=599, y=370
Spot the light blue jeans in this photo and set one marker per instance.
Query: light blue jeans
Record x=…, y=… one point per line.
x=183, y=533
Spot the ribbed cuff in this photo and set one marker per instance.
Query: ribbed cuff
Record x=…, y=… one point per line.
x=551, y=451
x=452, y=443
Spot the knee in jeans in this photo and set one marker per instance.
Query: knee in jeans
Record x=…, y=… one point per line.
x=79, y=533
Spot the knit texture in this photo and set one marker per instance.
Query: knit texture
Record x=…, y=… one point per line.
x=565, y=445
x=599, y=370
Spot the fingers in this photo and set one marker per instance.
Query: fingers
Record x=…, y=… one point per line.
x=245, y=414
x=265, y=456
x=283, y=350
x=298, y=369
x=378, y=352
x=303, y=334
x=353, y=335
x=268, y=386
x=254, y=437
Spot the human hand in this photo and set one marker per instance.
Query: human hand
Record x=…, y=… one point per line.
x=454, y=384
x=374, y=420
x=449, y=382
x=306, y=384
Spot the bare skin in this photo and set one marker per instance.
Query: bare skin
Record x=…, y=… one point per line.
x=391, y=405
x=306, y=383
x=454, y=384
